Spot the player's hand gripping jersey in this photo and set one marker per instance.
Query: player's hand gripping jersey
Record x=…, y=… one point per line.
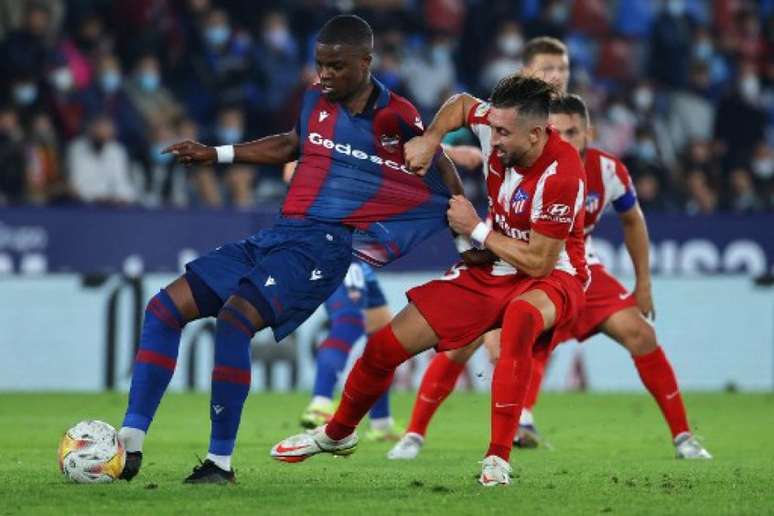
x=546, y=197
x=351, y=171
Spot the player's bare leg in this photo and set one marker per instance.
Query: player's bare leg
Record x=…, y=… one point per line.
x=407, y=334
x=166, y=314
x=525, y=319
x=437, y=383
x=629, y=328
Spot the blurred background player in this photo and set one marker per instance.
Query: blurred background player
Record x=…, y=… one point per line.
x=609, y=307
x=358, y=307
x=278, y=277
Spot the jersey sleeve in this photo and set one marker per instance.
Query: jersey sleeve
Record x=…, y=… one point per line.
x=623, y=196
x=558, y=201
x=410, y=121
x=476, y=120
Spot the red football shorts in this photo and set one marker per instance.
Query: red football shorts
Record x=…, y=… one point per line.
x=604, y=297
x=466, y=302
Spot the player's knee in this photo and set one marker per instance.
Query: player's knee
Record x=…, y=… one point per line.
x=639, y=338
x=163, y=308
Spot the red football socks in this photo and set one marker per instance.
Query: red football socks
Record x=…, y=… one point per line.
x=370, y=378
x=536, y=380
x=659, y=378
x=522, y=324
x=437, y=383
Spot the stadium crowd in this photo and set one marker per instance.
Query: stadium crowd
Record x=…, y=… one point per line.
x=683, y=90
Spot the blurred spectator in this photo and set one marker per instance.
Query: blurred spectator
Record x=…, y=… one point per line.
x=26, y=50
x=552, y=20
x=650, y=195
x=61, y=100
x=744, y=199
x=506, y=59
x=429, y=74
x=702, y=198
x=741, y=121
x=24, y=93
x=691, y=113
x=98, y=165
x=278, y=66
x=45, y=182
x=220, y=72
x=670, y=45
x=698, y=154
x=107, y=96
x=12, y=177
x=149, y=97
x=615, y=130
x=167, y=181
x=762, y=163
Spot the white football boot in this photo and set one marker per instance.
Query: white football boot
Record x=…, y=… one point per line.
x=407, y=448
x=495, y=472
x=302, y=446
x=688, y=447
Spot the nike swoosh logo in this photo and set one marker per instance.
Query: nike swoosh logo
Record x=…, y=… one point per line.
x=673, y=395
x=505, y=405
x=427, y=399
x=623, y=296
x=285, y=449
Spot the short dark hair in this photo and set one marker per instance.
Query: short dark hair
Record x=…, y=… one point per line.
x=530, y=95
x=347, y=29
x=571, y=104
x=542, y=45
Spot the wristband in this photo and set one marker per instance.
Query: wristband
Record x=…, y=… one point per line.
x=463, y=244
x=225, y=153
x=479, y=234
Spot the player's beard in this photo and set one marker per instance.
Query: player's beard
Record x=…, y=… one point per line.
x=514, y=159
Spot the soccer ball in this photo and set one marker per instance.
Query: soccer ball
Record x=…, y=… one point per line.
x=90, y=452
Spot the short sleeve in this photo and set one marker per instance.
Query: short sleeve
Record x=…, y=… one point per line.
x=626, y=196
x=476, y=119
x=557, y=202
x=410, y=122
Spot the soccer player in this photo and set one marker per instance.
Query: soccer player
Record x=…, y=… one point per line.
x=356, y=308
x=609, y=307
x=534, y=289
x=351, y=192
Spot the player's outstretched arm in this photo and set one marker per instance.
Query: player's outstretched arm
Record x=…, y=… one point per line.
x=419, y=151
x=637, y=242
x=536, y=258
x=277, y=149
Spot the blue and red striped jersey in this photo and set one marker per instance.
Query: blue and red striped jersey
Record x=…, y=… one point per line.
x=351, y=171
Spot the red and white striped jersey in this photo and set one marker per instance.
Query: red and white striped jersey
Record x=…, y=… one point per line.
x=547, y=197
x=607, y=182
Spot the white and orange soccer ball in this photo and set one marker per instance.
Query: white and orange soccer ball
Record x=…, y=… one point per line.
x=90, y=452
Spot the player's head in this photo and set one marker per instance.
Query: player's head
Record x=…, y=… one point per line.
x=343, y=56
x=548, y=59
x=518, y=118
x=570, y=116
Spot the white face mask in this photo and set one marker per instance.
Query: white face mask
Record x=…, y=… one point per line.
x=25, y=94
x=750, y=88
x=643, y=98
x=278, y=38
x=510, y=44
x=62, y=79
x=763, y=168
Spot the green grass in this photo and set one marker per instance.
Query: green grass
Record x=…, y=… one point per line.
x=611, y=454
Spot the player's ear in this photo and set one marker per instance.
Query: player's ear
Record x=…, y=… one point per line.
x=534, y=134
x=591, y=133
x=367, y=60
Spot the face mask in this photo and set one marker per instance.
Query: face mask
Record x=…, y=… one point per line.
x=62, y=79
x=510, y=45
x=278, y=38
x=646, y=150
x=559, y=13
x=750, y=88
x=675, y=7
x=619, y=115
x=643, y=98
x=110, y=81
x=25, y=94
x=149, y=81
x=440, y=53
x=218, y=35
x=703, y=50
x=763, y=168
x=229, y=135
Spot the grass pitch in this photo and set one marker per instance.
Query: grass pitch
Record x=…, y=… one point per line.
x=611, y=454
